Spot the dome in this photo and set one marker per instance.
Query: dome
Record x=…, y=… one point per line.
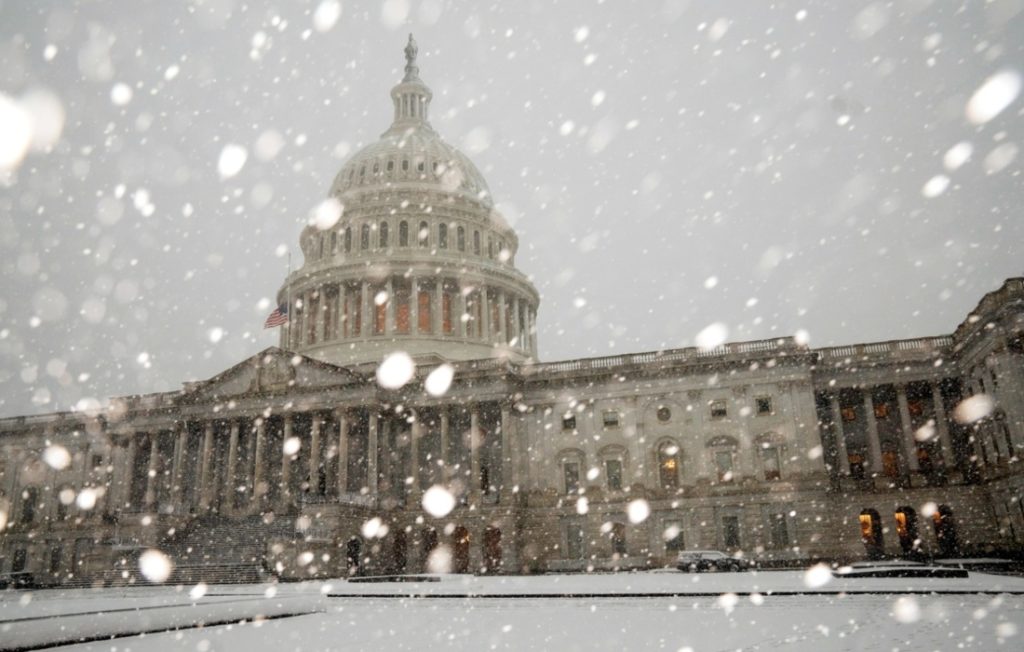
x=410, y=154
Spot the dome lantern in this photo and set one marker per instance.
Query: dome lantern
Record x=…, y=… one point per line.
x=411, y=96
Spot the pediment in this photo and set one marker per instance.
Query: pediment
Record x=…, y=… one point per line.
x=270, y=371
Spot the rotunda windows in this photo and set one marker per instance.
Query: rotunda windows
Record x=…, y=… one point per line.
x=424, y=234
x=382, y=235
x=403, y=234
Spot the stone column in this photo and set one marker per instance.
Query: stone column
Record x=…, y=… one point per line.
x=837, y=431
x=151, y=477
x=286, y=463
x=230, y=482
x=907, y=430
x=445, y=445
x=508, y=473
x=389, y=319
x=532, y=325
x=517, y=332
x=942, y=425
x=415, y=433
x=485, y=325
x=874, y=445
x=460, y=326
x=126, y=485
x=502, y=330
x=414, y=305
x=178, y=466
x=475, y=444
x=366, y=327
x=314, y=454
x=342, y=418
x=437, y=318
x=259, y=476
x=371, y=455
x=206, y=466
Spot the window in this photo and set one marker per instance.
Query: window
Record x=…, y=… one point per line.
x=334, y=242
x=718, y=409
x=348, y=239
x=29, y=499
x=574, y=543
x=423, y=236
x=97, y=460
x=763, y=405
x=569, y=422
x=881, y=410
x=664, y=414
x=391, y=166
x=731, y=532
x=610, y=418
x=613, y=472
x=442, y=236
x=460, y=238
x=405, y=165
x=476, y=242
x=770, y=463
x=668, y=466
x=56, y=552
x=424, y=315
x=778, y=531
x=849, y=414
x=364, y=237
x=571, y=473
x=916, y=408
x=403, y=234
x=382, y=235
x=723, y=463
x=673, y=536
x=618, y=537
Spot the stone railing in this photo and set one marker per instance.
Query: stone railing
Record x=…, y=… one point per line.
x=925, y=347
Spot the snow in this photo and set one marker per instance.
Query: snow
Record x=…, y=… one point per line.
x=722, y=611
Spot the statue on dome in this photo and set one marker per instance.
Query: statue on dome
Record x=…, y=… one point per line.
x=411, y=70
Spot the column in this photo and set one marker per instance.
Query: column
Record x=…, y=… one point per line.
x=837, y=430
x=942, y=425
x=874, y=445
x=365, y=328
x=314, y=454
x=909, y=444
x=151, y=477
x=414, y=305
x=508, y=467
x=206, y=464
x=129, y=472
x=438, y=305
x=516, y=330
x=460, y=307
x=178, y=465
x=445, y=445
x=342, y=418
x=389, y=319
x=230, y=483
x=502, y=330
x=485, y=326
x=474, y=454
x=259, y=482
x=414, y=453
x=371, y=455
x=286, y=463
x=532, y=326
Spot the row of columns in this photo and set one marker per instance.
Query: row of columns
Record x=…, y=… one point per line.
x=331, y=306
x=213, y=488
x=907, y=431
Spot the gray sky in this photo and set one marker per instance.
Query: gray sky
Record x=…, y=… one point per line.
x=639, y=149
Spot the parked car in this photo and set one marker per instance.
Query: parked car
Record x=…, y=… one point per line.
x=703, y=561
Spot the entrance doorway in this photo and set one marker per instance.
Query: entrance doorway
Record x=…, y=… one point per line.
x=492, y=550
x=460, y=552
x=906, y=529
x=353, y=555
x=871, y=533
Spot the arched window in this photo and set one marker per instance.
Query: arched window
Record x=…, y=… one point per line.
x=906, y=529
x=391, y=166
x=613, y=462
x=460, y=235
x=490, y=248
x=334, y=242
x=442, y=236
x=871, y=533
x=29, y=503
x=348, y=239
x=618, y=539
x=382, y=235
x=364, y=237
x=769, y=447
x=476, y=242
x=723, y=455
x=668, y=465
x=403, y=234
x=320, y=246
x=424, y=234
x=405, y=165
x=572, y=462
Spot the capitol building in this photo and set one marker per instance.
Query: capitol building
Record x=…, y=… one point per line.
x=301, y=462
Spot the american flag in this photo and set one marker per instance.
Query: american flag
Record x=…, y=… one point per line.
x=278, y=317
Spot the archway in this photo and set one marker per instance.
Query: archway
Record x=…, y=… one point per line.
x=353, y=555
x=460, y=550
x=906, y=529
x=618, y=538
x=428, y=543
x=945, y=531
x=492, y=550
x=871, y=533
x=399, y=552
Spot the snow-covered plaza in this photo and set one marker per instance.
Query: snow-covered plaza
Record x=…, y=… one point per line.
x=660, y=610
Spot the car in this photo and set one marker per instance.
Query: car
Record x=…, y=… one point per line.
x=701, y=561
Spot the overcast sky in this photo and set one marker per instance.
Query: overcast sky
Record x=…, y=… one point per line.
x=766, y=166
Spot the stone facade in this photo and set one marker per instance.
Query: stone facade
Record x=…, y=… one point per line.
x=297, y=462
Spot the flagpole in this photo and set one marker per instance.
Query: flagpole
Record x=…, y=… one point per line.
x=288, y=305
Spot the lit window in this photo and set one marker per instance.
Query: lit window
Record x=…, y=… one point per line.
x=849, y=414
x=718, y=409
x=881, y=410
x=668, y=466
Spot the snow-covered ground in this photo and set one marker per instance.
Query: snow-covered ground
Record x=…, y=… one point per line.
x=664, y=611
